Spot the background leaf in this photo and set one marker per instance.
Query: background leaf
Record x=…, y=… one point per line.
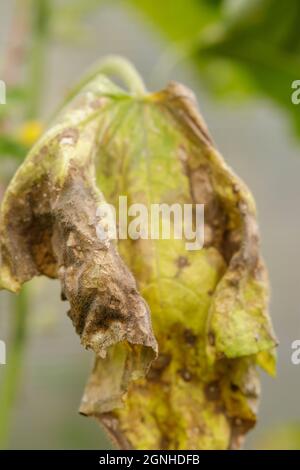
x=240, y=49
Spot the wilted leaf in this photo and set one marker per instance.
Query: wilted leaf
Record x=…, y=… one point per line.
x=48, y=221
x=208, y=306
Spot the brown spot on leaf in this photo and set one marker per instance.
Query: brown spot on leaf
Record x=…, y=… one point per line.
x=211, y=338
x=212, y=391
x=185, y=374
x=182, y=262
x=159, y=365
x=189, y=337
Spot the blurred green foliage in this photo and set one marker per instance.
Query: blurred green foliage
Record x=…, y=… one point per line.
x=282, y=437
x=240, y=48
x=244, y=48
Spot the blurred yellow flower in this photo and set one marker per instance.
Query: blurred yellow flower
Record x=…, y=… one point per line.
x=29, y=132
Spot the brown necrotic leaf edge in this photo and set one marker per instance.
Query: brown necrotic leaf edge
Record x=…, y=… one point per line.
x=49, y=228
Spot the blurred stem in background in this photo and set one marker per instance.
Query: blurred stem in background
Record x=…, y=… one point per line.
x=39, y=16
x=10, y=384
x=40, y=11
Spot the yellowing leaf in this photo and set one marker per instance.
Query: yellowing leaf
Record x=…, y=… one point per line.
x=208, y=307
x=48, y=226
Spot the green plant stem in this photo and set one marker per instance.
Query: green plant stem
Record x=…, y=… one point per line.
x=40, y=10
x=123, y=69
x=14, y=364
x=112, y=65
x=20, y=308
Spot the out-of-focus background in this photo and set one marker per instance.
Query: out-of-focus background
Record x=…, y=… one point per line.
x=240, y=57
